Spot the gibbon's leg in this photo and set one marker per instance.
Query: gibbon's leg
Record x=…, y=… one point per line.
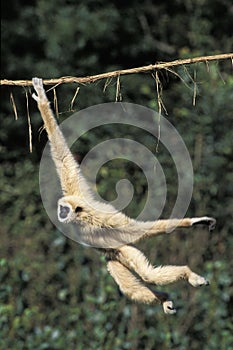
x=167, y=226
x=67, y=168
x=135, y=260
x=135, y=289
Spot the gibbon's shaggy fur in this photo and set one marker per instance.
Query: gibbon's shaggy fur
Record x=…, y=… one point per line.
x=124, y=262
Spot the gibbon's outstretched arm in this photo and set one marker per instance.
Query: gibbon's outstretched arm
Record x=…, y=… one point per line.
x=100, y=222
x=66, y=166
x=103, y=227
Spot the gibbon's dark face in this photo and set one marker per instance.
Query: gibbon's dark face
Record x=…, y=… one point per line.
x=63, y=211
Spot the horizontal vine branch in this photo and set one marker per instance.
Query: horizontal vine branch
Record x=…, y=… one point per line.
x=117, y=73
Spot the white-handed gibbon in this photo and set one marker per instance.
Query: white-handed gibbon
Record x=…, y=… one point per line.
x=95, y=220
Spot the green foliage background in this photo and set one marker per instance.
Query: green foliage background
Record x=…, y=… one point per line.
x=55, y=294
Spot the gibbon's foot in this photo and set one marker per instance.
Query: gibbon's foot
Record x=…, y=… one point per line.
x=197, y=281
x=205, y=220
x=168, y=307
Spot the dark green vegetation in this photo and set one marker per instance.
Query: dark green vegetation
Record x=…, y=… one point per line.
x=56, y=294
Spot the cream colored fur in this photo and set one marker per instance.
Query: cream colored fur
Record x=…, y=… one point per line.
x=102, y=226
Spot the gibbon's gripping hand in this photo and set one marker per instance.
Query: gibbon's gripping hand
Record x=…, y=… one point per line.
x=205, y=220
x=38, y=86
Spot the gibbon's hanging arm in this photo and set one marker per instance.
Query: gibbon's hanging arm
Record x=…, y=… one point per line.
x=103, y=227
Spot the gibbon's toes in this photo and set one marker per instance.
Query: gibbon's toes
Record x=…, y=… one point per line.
x=197, y=281
x=168, y=307
x=211, y=222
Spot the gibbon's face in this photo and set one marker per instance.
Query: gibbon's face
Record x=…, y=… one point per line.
x=70, y=208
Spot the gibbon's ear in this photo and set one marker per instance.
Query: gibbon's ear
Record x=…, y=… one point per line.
x=78, y=209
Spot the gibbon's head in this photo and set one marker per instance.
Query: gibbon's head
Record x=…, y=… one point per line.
x=69, y=209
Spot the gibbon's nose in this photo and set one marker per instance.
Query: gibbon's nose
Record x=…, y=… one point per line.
x=63, y=212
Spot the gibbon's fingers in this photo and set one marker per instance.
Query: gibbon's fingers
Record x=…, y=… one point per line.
x=38, y=86
x=205, y=220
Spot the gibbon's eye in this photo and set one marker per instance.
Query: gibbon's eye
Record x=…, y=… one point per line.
x=78, y=209
x=64, y=211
